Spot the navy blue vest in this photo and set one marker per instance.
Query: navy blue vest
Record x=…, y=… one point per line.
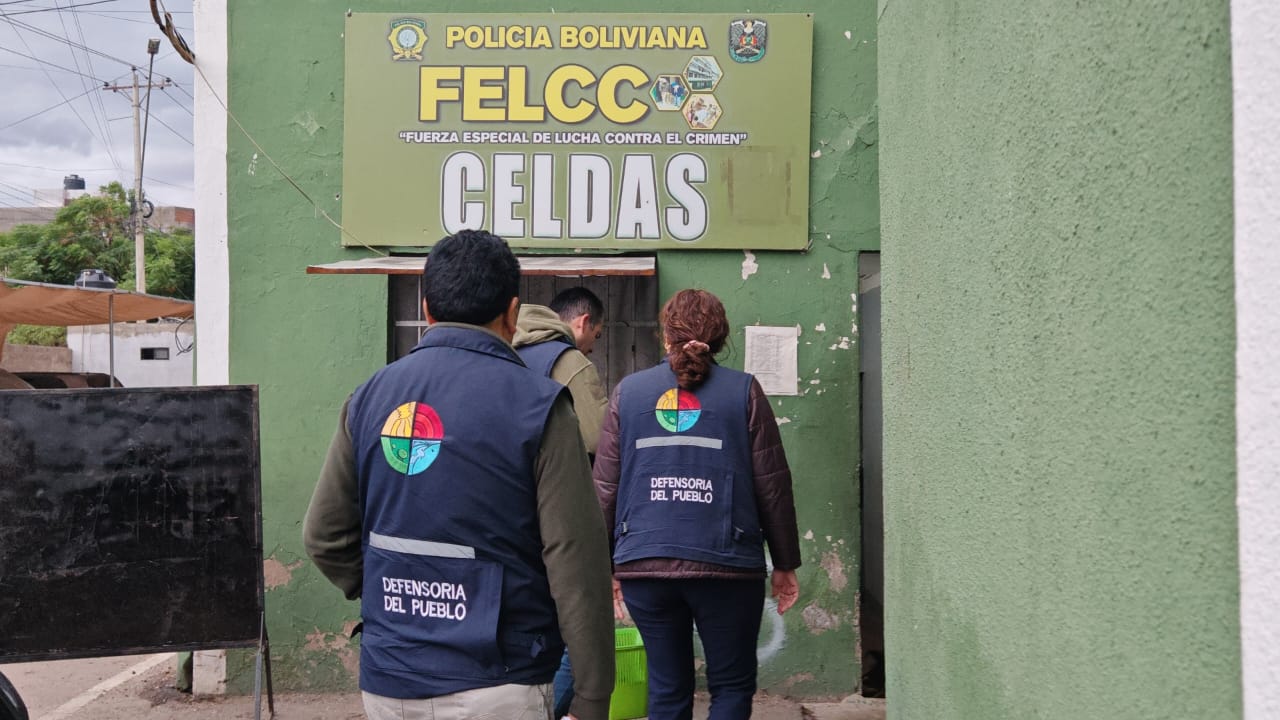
x=455, y=591
x=686, y=488
x=541, y=357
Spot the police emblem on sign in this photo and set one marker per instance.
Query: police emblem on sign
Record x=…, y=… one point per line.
x=407, y=38
x=748, y=40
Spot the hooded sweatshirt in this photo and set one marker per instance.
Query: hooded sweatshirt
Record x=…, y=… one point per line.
x=539, y=324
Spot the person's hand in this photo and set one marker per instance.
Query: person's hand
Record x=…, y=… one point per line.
x=786, y=589
x=619, y=607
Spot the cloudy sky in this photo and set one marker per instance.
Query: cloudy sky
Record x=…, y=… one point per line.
x=55, y=118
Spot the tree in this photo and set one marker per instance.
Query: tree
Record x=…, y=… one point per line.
x=94, y=232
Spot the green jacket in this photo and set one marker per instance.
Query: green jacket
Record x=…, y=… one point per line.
x=538, y=324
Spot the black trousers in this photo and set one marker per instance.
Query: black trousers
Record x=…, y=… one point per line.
x=727, y=616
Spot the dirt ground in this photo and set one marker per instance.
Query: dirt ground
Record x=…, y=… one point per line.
x=75, y=689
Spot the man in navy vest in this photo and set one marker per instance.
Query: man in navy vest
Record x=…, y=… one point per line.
x=556, y=340
x=455, y=501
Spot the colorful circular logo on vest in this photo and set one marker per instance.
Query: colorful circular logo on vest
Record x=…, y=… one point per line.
x=411, y=437
x=678, y=410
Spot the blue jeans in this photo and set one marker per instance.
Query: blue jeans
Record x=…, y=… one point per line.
x=563, y=687
x=727, y=615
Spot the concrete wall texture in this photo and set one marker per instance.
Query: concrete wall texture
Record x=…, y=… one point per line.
x=35, y=358
x=307, y=341
x=1056, y=199
x=1255, y=69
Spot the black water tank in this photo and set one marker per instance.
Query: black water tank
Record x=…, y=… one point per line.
x=95, y=279
x=73, y=182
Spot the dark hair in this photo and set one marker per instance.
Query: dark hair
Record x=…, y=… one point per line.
x=575, y=301
x=470, y=277
x=694, y=327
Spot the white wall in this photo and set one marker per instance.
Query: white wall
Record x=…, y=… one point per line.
x=1255, y=68
x=213, y=274
x=213, y=283
x=90, y=347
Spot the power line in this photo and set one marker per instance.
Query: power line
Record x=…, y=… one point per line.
x=51, y=169
x=50, y=9
x=57, y=38
x=105, y=16
x=61, y=94
x=105, y=133
x=31, y=68
x=49, y=64
x=162, y=182
x=175, y=132
x=270, y=160
x=175, y=101
x=65, y=100
x=29, y=200
x=96, y=108
x=17, y=198
x=145, y=12
x=102, y=108
x=26, y=202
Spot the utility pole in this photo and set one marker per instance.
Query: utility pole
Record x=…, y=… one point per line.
x=139, y=236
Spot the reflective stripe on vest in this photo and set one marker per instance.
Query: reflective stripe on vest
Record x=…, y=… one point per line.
x=445, y=443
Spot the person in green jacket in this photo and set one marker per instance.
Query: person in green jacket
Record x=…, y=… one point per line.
x=563, y=335
x=556, y=341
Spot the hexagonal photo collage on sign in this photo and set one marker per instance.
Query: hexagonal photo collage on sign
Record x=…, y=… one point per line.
x=691, y=92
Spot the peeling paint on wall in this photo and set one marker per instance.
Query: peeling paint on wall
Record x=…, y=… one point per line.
x=749, y=266
x=276, y=574
x=819, y=619
x=820, y=327
x=826, y=272
x=834, y=566
x=339, y=644
x=307, y=122
x=796, y=679
x=854, y=310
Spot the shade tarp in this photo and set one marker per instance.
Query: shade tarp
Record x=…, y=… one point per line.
x=28, y=304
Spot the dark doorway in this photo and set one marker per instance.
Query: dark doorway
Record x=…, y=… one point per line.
x=871, y=620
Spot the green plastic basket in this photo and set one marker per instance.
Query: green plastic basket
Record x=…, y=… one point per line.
x=630, y=697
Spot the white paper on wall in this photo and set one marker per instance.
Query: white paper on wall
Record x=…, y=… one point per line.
x=771, y=357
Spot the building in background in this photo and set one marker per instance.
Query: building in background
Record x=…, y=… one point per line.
x=46, y=203
x=1079, y=343
x=147, y=354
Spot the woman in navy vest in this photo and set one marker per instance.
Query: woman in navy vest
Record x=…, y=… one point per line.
x=693, y=482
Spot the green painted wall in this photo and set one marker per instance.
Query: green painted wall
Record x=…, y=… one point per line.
x=308, y=340
x=1058, y=338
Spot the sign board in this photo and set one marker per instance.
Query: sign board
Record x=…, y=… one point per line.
x=607, y=131
x=130, y=521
